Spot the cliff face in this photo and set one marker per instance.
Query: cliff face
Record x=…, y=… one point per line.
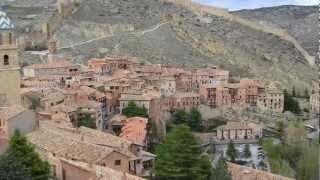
x=299, y=21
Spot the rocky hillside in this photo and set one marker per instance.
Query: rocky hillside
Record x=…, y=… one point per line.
x=299, y=21
x=160, y=32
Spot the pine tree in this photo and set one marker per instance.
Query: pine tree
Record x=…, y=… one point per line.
x=195, y=120
x=221, y=171
x=179, y=157
x=13, y=169
x=23, y=155
x=247, y=152
x=290, y=104
x=232, y=151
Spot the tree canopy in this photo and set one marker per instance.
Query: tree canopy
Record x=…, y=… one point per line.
x=193, y=119
x=232, y=151
x=179, y=157
x=22, y=162
x=290, y=104
x=221, y=171
x=87, y=121
x=132, y=110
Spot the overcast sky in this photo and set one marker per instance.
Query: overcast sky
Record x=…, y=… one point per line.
x=252, y=4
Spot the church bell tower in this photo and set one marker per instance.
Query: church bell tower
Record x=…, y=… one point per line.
x=9, y=65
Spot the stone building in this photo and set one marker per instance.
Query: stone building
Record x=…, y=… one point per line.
x=84, y=145
x=239, y=130
x=16, y=118
x=59, y=69
x=209, y=76
x=167, y=85
x=271, y=100
x=9, y=65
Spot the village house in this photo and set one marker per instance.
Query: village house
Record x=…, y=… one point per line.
x=60, y=69
x=239, y=130
x=16, y=118
x=167, y=85
x=75, y=170
x=141, y=99
x=271, y=100
x=246, y=173
x=89, y=146
x=110, y=64
x=215, y=95
x=209, y=76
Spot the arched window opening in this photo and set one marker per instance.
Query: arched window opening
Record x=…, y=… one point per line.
x=6, y=60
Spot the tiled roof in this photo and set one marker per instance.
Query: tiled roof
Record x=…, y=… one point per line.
x=103, y=173
x=242, y=172
x=135, y=130
x=55, y=64
x=9, y=112
x=5, y=22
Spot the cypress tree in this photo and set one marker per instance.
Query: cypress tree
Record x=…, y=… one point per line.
x=179, y=157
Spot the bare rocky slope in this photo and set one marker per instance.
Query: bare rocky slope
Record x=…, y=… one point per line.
x=299, y=21
x=161, y=32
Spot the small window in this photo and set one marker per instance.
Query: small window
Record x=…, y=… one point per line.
x=117, y=162
x=6, y=60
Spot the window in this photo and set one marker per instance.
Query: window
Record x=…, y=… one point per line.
x=117, y=162
x=5, y=60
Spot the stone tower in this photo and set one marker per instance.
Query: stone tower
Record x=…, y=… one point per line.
x=9, y=65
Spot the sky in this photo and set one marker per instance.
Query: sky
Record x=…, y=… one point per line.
x=252, y=4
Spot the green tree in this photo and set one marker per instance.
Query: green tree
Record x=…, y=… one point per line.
x=180, y=117
x=280, y=126
x=132, y=110
x=87, y=121
x=23, y=155
x=179, y=157
x=232, y=151
x=221, y=171
x=13, y=169
x=308, y=165
x=195, y=120
x=247, y=152
x=290, y=104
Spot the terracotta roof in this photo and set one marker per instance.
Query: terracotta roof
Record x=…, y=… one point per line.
x=55, y=64
x=242, y=172
x=103, y=173
x=135, y=130
x=9, y=112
